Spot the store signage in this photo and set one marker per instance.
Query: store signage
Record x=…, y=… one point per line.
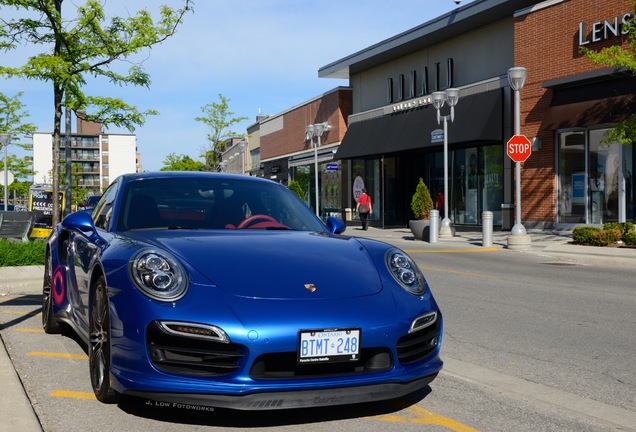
x=425, y=97
x=332, y=167
x=437, y=136
x=578, y=188
x=358, y=185
x=403, y=106
x=603, y=30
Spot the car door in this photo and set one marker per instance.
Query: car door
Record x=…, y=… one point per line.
x=82, y=254
x=85, y=249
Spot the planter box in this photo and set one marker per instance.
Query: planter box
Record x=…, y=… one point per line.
x=420, y=229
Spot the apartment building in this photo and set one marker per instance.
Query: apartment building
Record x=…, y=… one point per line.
x=102, y=157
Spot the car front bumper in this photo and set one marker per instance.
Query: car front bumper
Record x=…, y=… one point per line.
x=306, y=398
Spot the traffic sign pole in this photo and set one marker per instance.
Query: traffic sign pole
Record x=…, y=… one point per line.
x=519, y=148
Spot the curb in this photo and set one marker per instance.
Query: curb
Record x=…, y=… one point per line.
x=21, y=280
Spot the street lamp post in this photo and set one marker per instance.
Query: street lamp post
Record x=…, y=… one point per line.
x=519, y=238
x=5, y=139
x=450, y=96
x=242, y=146
x=316, y=130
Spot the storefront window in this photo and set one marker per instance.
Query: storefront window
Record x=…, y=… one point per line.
x=475, y=183
x=572, y=184
x=330, y=189
x=302, y=174
x=591, y=172
x=329, y=181
x=366, y=174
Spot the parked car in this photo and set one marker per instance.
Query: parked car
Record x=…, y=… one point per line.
x=91, y=201
x=227, y=291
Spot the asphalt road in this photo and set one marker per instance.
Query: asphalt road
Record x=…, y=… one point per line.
x=536, y=340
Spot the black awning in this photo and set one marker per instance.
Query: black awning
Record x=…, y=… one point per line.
x=478, y=117
x=589, y=113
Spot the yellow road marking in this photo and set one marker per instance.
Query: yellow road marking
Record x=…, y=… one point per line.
x=459, y=272
x=30, y=330
x=60, y=355
x=424, y=416
x=12, y=312
x=73, y=394
x=450, y=250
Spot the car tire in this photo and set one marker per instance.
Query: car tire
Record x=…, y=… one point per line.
x=49, y=322
x=99, y=344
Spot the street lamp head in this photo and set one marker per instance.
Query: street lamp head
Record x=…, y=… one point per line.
x=309, y=132
x=517, y=77
x=5, y=139
x=242, y=145
x=452, y=96
x=439, y=97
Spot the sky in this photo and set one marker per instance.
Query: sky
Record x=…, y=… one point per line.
x=262, y=55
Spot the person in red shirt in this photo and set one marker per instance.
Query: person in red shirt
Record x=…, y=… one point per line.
x=364, y=208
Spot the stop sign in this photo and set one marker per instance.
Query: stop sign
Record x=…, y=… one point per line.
x=519, y=148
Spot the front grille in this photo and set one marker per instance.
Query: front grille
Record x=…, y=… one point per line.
x=285, y=365
x=418, y=345
x=175, y=354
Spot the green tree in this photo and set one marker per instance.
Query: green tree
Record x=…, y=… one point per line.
x=616, y=57
x=12, y=116
x=219, y=119
x=78, y=191
x=75, y=47
x=22, y=171
x=175, y=162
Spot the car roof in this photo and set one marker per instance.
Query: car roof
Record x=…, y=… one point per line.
x=190, y=174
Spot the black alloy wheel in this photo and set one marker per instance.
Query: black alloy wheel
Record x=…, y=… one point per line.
x=99, y=344
x=49, y=322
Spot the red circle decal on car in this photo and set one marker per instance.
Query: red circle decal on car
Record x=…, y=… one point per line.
x=57, y=286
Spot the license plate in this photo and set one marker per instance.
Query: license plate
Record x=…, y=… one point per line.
x=327, y=346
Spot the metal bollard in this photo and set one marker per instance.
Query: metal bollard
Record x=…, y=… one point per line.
x=433, y=228
x=486, y=219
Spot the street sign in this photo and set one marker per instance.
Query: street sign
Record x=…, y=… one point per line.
x=437, y=136
x=9, y=177
x=519, y=148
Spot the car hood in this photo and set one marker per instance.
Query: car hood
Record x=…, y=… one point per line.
x=276, y=264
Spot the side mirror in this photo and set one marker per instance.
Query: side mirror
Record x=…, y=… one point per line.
x=80, y=221
x=336, y=225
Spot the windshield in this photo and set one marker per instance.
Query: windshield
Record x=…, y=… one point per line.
x=212, y=203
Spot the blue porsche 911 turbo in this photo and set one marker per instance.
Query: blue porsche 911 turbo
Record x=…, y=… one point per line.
x=228, y=291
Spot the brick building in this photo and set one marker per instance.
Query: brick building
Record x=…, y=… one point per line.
x=289, y=151
x=572, y=177
x=568, y=103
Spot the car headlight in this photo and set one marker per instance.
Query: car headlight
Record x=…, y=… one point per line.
x=158, y=275
x=405, y=272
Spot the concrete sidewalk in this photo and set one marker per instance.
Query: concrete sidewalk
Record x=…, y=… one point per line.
x=16, y=411
x=556, y=244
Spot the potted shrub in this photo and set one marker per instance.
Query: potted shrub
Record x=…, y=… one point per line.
x=421, y=205
x=296, y=188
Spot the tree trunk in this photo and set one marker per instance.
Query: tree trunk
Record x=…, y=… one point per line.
x=57, y=127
